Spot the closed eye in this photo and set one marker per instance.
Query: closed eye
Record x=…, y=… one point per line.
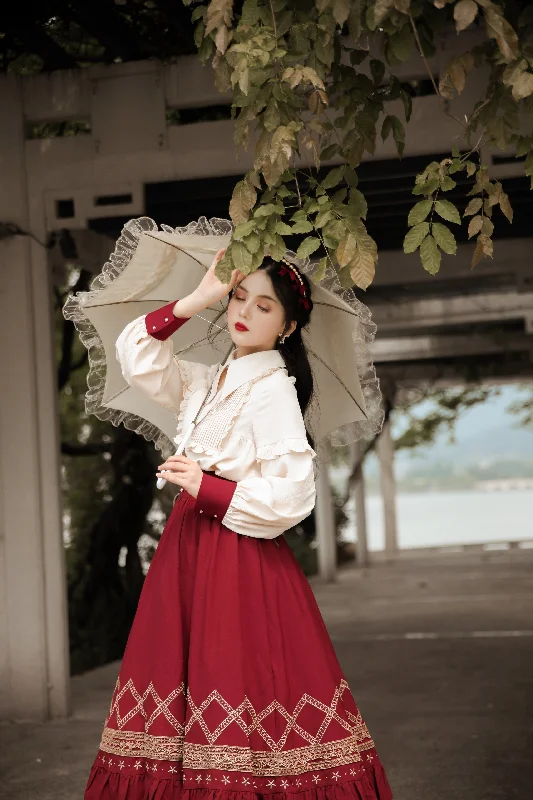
x=261, y=308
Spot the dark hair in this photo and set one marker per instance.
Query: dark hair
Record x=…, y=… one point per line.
x=293, y=349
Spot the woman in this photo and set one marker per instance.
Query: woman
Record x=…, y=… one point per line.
x=230, y=684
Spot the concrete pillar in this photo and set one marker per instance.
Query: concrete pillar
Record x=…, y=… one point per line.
x=385, y=451
x=34, y=665
x=325, y=520
x=361, y=545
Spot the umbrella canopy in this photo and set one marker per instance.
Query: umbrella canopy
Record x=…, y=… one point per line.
x=156, y=267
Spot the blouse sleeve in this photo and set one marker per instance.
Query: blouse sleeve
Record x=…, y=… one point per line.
x=146, y=355
x=284, y=494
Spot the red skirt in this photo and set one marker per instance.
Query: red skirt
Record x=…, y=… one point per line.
x=230, y=686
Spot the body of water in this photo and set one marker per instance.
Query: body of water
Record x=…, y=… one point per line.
x=434, y=519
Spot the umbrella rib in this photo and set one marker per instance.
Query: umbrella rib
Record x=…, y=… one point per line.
x=337, y=308
x=177, y=247
x=363, y=412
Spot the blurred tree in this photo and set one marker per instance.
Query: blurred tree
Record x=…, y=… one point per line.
x=108, y=485
x=523, y=407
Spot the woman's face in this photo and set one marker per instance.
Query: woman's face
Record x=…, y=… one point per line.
x=255, y=315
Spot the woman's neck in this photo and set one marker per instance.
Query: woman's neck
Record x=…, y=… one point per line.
x=246, y=351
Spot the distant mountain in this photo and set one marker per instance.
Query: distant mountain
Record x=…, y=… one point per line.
x=500, y=442
x=487, y=439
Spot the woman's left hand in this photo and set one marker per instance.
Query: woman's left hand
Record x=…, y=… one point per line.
x=183, y=472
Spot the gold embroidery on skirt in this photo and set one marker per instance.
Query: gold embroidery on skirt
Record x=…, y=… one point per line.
x=230, y=757
x=275, y=761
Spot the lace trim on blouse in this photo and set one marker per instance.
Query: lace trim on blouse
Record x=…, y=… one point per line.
x=209, y=434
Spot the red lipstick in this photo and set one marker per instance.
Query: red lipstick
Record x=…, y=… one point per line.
x=239, y=326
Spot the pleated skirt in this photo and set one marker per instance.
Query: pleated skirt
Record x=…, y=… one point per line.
x=230, y=686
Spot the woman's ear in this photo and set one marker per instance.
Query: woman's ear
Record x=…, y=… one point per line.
x=291, y=328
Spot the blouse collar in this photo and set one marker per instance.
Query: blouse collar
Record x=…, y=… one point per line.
x=246, y=368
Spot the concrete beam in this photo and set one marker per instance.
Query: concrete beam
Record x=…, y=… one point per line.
x=432, y=312
x=415, y=348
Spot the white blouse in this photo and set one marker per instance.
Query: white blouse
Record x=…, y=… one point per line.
x=251, y=431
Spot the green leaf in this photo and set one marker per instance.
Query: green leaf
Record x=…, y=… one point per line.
x=447, y=183
x=323, y=217
x=277, y=250
x=271, y=117
x=487, y=228
x=419, y=212
x=329, y=152
x=250, y=14
x=243, y=229
x=430, y=255
x=398, y=133
x=341, y=10
x=505, y=206
x=334, y=230
x=401, y=43
x=428, y=187
x=386, y=128
x=241, y=257
x=523, y=86
x=357, y=205
x=252, y=242
x=339, y=196
x=407, y=101
x=283, y=228
x=447, y=211
x=350, y=175
x=473, y=207
x=379, y=10
x=320, y=272
x=308, y=246
x=475, y=225
x=265, y=210
x=415, y=237
x=444, y=238
x=498, y=28
x=333, y=177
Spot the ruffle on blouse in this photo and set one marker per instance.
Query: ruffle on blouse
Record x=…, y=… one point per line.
x=191, y=384
x=211, y=433
x=266, y=452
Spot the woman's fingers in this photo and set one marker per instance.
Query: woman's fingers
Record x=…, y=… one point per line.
x=171, y=477
x=174, y=466
x=178, y=459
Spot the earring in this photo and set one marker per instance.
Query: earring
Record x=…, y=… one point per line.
x=281, y=338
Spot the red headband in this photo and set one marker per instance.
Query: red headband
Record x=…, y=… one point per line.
x=297, y=282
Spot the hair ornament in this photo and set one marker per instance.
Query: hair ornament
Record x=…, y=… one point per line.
x=297, y=282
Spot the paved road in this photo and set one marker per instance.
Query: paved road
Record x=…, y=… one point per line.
x=438, y=654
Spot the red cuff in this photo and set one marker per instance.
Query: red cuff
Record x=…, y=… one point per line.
x=162, y=323
x=215, y=495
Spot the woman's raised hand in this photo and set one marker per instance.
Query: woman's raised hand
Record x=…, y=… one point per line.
x=209, y=291
x=211, y=288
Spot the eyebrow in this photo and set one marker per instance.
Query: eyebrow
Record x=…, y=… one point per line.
x=266, y=296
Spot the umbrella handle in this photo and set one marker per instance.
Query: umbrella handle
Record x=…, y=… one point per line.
x=161, y=481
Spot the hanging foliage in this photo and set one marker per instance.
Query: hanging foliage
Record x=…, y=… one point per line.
x=312, y=80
